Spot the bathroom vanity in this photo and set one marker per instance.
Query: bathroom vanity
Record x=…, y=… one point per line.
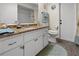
x=24, y=41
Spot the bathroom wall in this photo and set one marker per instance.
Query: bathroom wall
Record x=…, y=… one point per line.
x=53, y=16
x=8, y=12
x=54, y=22
x=42, y=7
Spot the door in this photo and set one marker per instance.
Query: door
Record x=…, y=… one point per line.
x=14, y=52
x=68, y=19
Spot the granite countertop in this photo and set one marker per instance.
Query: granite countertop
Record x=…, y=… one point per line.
x=23, y=30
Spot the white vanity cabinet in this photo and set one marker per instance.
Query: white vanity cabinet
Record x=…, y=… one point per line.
x=33, y=44
x=29, y=48
x=45, y=37
x=33, y=47
x=38, y=43
x=14, y=52
x=27, y=44
x=35, y=41
x=8, y=45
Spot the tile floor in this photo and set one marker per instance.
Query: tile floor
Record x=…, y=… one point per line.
x=61, y=48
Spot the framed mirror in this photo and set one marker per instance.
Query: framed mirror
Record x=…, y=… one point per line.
x=27, y=12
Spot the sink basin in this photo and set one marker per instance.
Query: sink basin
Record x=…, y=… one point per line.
x=6, y=31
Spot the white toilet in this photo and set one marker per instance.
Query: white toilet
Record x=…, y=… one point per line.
x=53, y=34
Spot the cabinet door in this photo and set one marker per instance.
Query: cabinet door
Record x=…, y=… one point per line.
x=29, y=48
x=38, y=44
x=45, y=39
x=10, y=43
x=14, y=52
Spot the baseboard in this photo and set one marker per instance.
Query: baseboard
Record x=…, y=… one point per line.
x=61, y=40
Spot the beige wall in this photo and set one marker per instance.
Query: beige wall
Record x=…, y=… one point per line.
x=41, y=9
x=8, y=12
x=53, y=16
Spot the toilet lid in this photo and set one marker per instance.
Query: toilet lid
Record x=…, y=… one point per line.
x=52, y=32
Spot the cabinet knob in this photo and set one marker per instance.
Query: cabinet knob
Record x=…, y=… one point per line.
x=22, y=47
x=43, y=35
x=36, y=39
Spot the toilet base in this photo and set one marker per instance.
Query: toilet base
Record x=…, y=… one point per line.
x=52, y=40
x=52, y=43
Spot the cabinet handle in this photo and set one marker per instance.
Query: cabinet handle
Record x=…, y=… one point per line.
x=12, y=43
x=22, y=47
x=43, y=35
x=36, y=39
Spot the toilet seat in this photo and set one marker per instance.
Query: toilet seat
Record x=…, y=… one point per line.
x=52, y=32
x=52, y=35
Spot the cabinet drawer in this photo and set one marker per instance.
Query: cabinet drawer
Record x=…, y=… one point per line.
x=42, y=31
x=28, y=36
x=10, y=43
x=33, y=34
x=14, y=52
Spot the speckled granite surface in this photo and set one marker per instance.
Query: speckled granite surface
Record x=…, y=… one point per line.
x=22, y=30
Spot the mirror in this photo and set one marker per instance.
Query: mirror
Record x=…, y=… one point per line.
x=10, y=13
x=27, y=12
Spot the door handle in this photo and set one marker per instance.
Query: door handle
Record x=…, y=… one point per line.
x=60, y=21
x=22, y=47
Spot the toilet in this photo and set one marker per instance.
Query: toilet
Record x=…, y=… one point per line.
x=53, y=34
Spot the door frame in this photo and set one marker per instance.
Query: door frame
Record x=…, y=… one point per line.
x=61, y=21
